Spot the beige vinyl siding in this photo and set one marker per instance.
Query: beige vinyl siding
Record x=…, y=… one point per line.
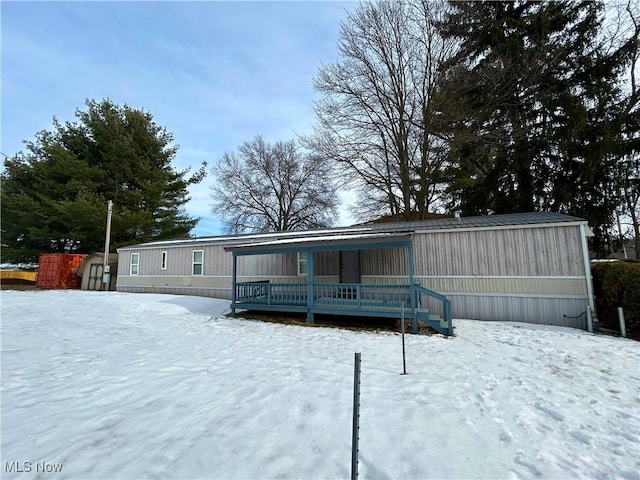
x=565, y=311
x=549, y=251
x=217, y=262
x=181, y=281
x=285, y=264
x=287, y=278
x=327, y=263
x=180, y=260
x=533, y=275
x=507, y=285
x=543, y=261
x=529, y=285
x=385, y=262
x=385, y=280
x=267, y=265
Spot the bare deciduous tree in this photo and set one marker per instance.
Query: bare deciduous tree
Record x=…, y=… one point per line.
x=269, y=188
x=376, y=116
x=620, y=37
x=627, y=36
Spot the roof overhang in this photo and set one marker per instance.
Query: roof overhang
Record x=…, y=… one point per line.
x=324, y=243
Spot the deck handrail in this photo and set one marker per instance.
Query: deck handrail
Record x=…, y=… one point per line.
x=264, y=292
x=343, y=298
x=430, y=293
x=446, y=304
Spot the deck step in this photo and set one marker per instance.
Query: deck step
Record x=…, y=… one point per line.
x=434, y=321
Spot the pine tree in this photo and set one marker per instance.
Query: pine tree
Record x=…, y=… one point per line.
x=54, y=196
x=533, y=91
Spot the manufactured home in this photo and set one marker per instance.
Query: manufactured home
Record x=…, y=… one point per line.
x=530, y=267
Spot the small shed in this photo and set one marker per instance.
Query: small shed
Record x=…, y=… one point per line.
x=91, y=271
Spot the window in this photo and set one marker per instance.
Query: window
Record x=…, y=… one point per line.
x=198, y=257
x=302, y=263
x=163, y=266
x=135, y=263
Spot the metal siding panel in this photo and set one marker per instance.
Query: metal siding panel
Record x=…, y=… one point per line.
x=327, y=263
x=268, y=265
x=216, y=261
x=178, y=281
x=176, y=290
x=385, y=262
x=533, y=251
x=533, y=285
x=124, y=259
x=179, y=261
x=384, y=280
x=546, y=311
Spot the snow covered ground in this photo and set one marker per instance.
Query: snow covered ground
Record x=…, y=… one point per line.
x=114, y=385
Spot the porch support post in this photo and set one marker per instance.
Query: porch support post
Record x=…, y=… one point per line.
x=414, y=318
x=234, y=274
x=310, y=275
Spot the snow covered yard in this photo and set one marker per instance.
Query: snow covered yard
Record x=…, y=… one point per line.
x=114, y=385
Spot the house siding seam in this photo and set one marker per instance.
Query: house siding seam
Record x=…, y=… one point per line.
x=506, y=285
x=223, y=293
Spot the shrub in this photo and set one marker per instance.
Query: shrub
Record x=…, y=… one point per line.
x=617, y=284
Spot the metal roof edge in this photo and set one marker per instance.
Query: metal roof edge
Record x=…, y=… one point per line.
x=324, y=242
x=249, y=237
x=572, y=223
x=418, y=227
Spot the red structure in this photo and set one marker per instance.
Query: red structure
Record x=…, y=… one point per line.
x=59, y=270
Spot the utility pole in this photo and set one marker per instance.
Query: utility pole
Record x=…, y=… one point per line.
x=106, y=274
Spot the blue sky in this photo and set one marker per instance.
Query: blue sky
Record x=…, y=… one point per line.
x=215, y=74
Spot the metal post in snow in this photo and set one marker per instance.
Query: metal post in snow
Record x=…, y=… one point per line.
x=589, y=319
x=623, y=328
x=404, y=361
x=356, y=418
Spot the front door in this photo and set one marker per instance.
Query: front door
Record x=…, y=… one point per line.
x=350, y=266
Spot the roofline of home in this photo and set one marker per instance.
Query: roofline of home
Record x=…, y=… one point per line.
x=243, y=239
x=507, y=227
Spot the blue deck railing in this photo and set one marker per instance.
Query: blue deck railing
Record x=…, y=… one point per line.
x=265, y=293
x=447, y=318
x=344, y=298
x=354, y=295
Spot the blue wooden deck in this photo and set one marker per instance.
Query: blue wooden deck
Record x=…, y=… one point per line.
x=392, y=301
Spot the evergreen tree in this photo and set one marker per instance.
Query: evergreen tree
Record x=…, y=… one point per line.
x=54, y=196
x=533, y=91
